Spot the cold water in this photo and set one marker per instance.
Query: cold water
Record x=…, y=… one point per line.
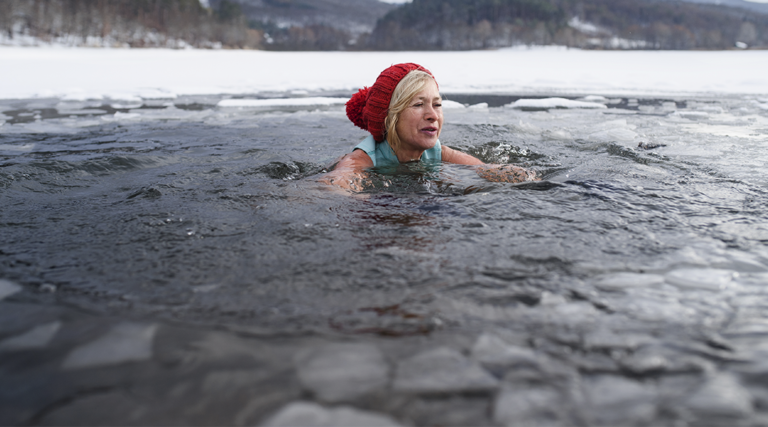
x=175, y=262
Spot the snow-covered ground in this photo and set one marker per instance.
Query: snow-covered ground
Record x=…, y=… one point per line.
x=83, y=73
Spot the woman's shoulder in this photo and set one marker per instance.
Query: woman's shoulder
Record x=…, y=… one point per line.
x=357, y=159
x=368, y=145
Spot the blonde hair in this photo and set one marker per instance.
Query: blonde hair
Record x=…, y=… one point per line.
x=410, y=85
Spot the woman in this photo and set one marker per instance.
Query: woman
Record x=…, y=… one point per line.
x=403, y=113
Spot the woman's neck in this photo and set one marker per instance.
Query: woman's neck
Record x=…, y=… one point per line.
x=405, y=156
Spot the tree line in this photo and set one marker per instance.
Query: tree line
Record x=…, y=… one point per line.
x=136, y=23
x=480, y=24
x=420, y=25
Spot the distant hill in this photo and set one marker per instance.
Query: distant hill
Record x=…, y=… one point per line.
x=481, y=24
x=354, y=16
x=313, y=24
x=597, y=24
x=740, y=4
x=376, y=25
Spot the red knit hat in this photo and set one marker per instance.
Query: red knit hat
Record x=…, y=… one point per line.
x=368, y=107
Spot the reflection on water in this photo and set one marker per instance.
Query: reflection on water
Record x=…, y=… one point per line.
x=181, y=263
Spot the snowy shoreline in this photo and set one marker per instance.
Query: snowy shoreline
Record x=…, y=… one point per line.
x=133, y=74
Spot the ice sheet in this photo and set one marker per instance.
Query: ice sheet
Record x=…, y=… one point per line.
x=82, y=73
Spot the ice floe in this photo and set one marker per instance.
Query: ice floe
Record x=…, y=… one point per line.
x=493, y=352
x=617, y=134
x=612, y=131
x=617, y=400
x=442, y=370
x=721, y=396
x=747, y=327
x=547, y=103
x=664, y=307
x=126, y=342
x=308, y=414
x=452, y=105
x=119, y=116
x=528, y=405
x=594, y=98
x=281, y=102
x=8, y=288
x=647, y=360
x=23, y=148
x=35, y=338
x=692, y=115
x=606, y=339
x=342, y=372
x=711, y=279
x=620, y=281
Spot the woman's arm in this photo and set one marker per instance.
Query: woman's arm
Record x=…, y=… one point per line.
x=350, y=171
x=454, y=156
x=495, y=173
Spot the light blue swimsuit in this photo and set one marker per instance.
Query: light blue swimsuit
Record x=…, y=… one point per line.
x=382, y=154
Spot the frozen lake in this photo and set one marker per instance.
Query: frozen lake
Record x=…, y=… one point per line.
x=80, y=74
x=168, y=255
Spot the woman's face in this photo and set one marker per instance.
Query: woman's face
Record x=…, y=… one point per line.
x=419, y=125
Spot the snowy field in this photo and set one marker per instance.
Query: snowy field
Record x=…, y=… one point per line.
x=82, y=73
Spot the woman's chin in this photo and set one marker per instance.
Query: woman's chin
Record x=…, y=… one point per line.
x=422, y=143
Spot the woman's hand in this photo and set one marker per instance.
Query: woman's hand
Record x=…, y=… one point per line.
x=349, y=172
x=494, y=173
x=506, y=173
x=347, y=179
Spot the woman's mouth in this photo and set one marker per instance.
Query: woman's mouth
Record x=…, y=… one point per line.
x=429, y=130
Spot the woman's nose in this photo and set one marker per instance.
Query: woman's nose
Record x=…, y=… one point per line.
x=430, y=113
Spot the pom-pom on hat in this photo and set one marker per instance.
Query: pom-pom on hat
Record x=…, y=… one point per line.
x=368, y=107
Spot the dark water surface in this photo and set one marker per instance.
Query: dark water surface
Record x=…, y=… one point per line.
x=179, y=263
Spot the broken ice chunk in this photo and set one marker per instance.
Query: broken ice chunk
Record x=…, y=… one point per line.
x=547, y=103
x=530, y=405
x=8, y=288
x=308, y=414
x=620, y=281
x=692, y=115
x=747, y=327
x=721, y=396
x=340, y=372
x=442, y=370
x=619, y=134
x=493, y=352
x=711, y=279
x=594, y=98
x=451, y=105
x=605, y=338
x=126, y=342
x=37, y=337
x=620, y=401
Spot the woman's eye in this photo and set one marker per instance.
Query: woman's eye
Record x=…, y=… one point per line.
x=438, y=105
